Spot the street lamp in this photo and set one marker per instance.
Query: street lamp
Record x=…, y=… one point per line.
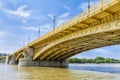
x=89, y=6
x=38, y=32
x=54, y=21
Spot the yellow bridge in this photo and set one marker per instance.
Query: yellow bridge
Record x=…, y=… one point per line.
x=2, y=57
x=96, y=27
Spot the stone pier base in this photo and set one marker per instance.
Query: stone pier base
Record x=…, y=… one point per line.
x=7, y=60
x=12, y=62
x=30, y=63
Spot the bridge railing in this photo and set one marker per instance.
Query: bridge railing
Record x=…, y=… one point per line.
x=93, y=8
x=75, y=20
x=104, y=2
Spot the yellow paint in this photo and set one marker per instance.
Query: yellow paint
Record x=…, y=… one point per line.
x=96, y=27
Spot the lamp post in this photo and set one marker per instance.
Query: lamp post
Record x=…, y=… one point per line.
x=38, y=32
x=54, y=21
x=89, y=6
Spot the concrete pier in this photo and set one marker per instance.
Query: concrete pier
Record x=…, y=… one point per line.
x=7, y=59
x=30, y=63
x=13, y=62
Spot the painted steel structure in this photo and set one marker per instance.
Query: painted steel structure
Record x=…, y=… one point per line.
x=96, y=27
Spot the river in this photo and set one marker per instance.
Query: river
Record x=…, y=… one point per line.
x=74, y=72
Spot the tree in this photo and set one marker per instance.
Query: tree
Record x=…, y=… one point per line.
x=98, y=59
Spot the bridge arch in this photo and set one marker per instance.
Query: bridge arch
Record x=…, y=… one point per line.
x=97, y=29
x=75, y=43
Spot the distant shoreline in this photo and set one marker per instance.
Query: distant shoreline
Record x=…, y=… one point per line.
x=96, y=60
x=94, y=63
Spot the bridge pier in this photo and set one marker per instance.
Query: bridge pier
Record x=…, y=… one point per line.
x=7, y=59
x=31, y=63
x=28, y=56
x=28, y=61
x=11, y=60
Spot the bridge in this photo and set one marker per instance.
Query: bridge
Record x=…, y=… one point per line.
x=2, y=57
x=96, y=27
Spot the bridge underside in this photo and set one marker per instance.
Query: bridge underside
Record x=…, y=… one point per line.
x=67, y=48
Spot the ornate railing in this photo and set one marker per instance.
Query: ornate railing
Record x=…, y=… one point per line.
x=93, y=8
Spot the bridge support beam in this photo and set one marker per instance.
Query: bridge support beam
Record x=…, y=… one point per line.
x=30, y=63
x=11, y=60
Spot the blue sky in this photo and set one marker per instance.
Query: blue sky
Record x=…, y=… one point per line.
x=20, y=19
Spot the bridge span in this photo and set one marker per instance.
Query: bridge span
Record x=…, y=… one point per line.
x=96, y=27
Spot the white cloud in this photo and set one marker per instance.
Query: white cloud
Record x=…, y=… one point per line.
x=65, y=15
x=0, y=4
x=21, y=12
x=84, y=6
x=46, y=27
x=62, y=18
x=3, y=33
x=102, y=51
x=51, y=15
x=43, y=28
x=30, y=28
x=33, y=28
x=61, y=21
x=66, y=7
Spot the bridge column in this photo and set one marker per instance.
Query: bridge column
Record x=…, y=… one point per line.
x=7, y=59
x=12, y=60
x=27, y=60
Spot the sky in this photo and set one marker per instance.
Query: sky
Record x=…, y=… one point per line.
x=21, y=19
